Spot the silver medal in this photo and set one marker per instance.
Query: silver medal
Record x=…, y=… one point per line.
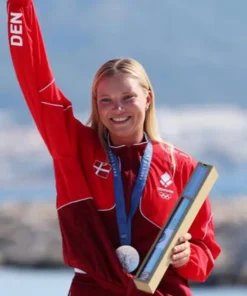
x=128, y=257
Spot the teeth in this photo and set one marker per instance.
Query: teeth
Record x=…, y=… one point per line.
x=120, y=119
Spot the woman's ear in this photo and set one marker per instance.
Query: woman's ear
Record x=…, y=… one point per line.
x=149, y=99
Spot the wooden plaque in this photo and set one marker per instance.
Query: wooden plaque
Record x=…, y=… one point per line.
x=192, y=198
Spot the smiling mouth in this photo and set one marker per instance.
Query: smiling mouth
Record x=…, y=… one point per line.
x=120, y=119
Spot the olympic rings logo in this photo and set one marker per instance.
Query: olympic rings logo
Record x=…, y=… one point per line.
x=164, y=195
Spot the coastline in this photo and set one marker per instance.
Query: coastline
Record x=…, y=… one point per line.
x=30, y=238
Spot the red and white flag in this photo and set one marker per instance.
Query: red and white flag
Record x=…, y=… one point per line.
x=102, y=169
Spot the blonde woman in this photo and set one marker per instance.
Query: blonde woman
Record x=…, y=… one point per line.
x=116, y=181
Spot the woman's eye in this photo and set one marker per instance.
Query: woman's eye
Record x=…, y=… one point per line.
x=128, y=97
x=105, y=100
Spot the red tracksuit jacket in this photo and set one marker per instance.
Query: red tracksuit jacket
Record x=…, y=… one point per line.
x=84, y=181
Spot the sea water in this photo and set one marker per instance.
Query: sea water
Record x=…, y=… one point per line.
x=23, y=282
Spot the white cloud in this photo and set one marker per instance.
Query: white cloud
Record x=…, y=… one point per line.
x=23, y=155
x=19, y=141
x=215, y=131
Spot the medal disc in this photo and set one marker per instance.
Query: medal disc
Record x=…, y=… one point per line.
x=129, y=257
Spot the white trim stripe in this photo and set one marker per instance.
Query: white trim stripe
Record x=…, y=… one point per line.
x=103, y=210
x=87, y=198
x=209, y=251
x=206, y=227
x=55, y=105
x=146, y=217
x=107, y=209
x=47, y=86
x=67, y=108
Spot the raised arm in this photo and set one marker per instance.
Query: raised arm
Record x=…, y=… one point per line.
x=85, y=244
x=50, y=109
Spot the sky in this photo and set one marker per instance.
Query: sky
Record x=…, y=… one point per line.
x=195, y=56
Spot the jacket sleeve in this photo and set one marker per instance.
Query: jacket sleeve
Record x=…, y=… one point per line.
x=51, y=111
x=53, y=115
x=204, y=249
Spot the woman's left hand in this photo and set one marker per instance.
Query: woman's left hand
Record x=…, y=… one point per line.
x=181, y=252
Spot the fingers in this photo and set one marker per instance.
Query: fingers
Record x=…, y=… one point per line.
x=178, y=262
x=181, y=252
x=181, y=247
x=182, y=255
x=184, y=238
x=184, y=251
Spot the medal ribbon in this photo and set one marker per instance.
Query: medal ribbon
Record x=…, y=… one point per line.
x=124, y=221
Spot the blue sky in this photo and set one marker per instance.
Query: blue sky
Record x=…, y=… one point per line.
x=194, y=54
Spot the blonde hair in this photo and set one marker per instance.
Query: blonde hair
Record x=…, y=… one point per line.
x=134, y=69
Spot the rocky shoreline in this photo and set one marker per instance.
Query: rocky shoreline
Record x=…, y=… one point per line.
x=30, y=237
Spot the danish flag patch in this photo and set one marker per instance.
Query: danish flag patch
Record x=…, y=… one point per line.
x=102, y=169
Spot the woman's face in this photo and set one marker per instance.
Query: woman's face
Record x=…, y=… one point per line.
x=122, y=106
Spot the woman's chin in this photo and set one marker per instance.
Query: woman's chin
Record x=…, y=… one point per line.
x=125, y=137
x=121, y=131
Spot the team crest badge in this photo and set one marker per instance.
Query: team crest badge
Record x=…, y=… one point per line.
x=165, y=181
x=102, y=169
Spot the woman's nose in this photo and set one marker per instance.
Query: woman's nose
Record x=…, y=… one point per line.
x=118, y=107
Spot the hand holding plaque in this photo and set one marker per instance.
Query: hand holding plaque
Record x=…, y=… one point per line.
x=181, y=251
x=158, y=258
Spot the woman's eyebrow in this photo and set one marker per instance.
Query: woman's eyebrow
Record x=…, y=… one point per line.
x=123, y=93
x=129, y=92
x=103, y=95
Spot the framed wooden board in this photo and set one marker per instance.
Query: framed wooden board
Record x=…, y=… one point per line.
x=189, y=203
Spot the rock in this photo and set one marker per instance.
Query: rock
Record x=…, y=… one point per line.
x=230, y=217
x=30, y=236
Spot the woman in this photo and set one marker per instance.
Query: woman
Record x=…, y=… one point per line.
x=94, y=193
